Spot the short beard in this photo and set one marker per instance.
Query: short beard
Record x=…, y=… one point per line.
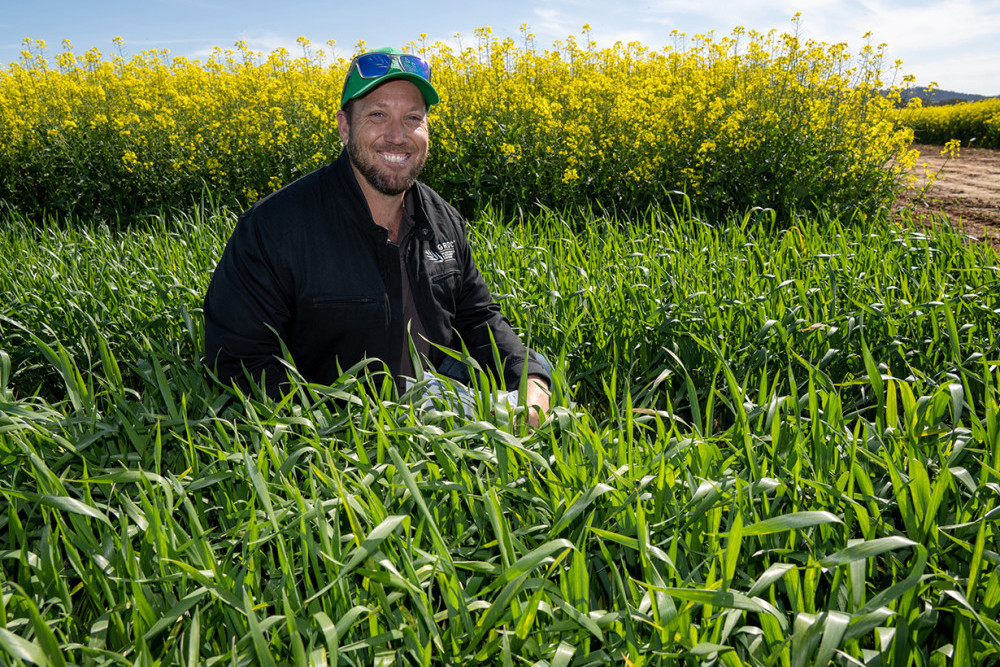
x=370, y=171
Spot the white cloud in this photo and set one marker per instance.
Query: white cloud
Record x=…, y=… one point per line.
x=553, y=24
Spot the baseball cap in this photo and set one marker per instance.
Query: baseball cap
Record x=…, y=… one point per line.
x=372, y=69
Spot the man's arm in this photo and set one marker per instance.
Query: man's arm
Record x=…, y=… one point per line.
x=245, y=311
x=481, y=323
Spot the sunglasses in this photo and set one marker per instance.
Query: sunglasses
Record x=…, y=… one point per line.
x=374, y=65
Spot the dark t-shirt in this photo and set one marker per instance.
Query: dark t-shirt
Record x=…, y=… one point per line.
x=411, y=318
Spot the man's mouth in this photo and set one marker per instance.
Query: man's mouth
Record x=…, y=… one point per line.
x=394, y=158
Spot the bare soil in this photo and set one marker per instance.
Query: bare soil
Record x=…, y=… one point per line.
x=966, y=191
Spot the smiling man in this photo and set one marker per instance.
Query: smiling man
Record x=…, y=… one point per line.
x=358, y=258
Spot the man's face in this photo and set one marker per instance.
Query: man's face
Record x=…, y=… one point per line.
x=387, y=137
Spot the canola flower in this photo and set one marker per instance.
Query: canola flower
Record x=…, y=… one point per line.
x=749, y=119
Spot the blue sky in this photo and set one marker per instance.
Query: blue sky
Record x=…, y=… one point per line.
x=955, y=43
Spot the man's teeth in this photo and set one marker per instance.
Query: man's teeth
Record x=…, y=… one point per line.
x=394, y=157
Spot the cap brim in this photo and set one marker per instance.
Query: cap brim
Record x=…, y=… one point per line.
x=426, y=89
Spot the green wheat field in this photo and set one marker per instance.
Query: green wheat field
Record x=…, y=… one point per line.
x=766, y=448
x=774, y=438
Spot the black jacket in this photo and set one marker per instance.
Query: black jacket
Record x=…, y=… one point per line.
x=308, y=265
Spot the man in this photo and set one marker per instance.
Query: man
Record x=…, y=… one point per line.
x=352, y=260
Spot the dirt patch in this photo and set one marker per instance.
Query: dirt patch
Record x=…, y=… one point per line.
x=966, y=191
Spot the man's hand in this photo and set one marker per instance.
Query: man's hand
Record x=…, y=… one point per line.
x=536, y=398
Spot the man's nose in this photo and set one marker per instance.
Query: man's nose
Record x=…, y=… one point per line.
x=396, y=132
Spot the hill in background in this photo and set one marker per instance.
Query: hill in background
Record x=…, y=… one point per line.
x=938, y=96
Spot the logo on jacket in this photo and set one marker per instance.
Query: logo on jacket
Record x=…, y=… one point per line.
x=445, y=252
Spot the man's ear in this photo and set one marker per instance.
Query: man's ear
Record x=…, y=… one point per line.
x=342, y=126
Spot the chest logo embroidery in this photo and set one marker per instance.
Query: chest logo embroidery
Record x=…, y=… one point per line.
x=445, y=252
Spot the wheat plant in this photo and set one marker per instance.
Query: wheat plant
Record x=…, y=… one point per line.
x=766, y=448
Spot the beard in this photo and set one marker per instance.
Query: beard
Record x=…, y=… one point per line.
x=385, y=181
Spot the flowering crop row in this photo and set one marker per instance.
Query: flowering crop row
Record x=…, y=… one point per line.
x=972, y=123
x=106, y=137
x=750, y=119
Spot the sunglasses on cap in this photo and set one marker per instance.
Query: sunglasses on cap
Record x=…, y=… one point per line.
x=374, y=65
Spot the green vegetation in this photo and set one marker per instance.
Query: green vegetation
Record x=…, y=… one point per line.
x=769, y=446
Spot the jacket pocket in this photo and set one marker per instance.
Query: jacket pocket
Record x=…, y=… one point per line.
x=444, y=287
x=449, y=277
x=341, y=301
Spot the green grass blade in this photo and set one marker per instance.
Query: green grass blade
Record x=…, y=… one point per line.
x=792, y=521
x=867, y=549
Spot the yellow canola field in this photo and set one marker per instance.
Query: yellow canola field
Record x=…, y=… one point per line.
x=749, y=119
x=974, y=124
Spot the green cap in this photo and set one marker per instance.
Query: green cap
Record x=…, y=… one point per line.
x=397, y=65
